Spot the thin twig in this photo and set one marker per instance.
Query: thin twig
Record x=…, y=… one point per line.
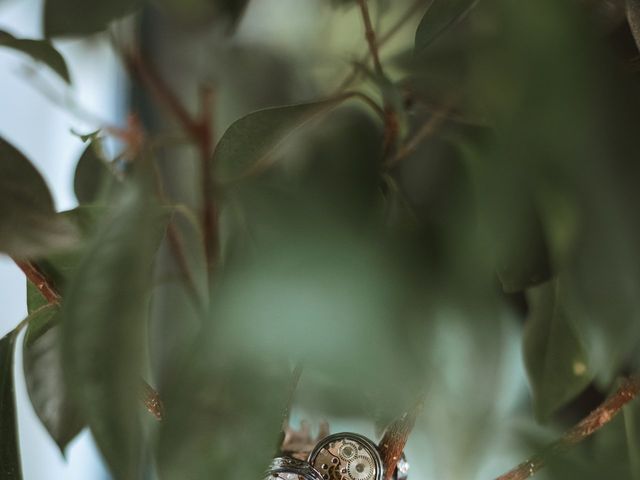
x=395, y=438
x=382, y=40
x=590, y=424
x=370, y=34
x=428, y=129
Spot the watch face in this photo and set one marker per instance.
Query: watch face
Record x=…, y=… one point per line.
x=346, y=456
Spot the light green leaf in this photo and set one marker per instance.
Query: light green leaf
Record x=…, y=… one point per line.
x=44, y=377
x=29, y=226
x=249, y=143
x=91, y=175
x=39, y=50
x=76, y=18
x=104, y=316
x=554, y=354
x=441, y=15
x=10, y=468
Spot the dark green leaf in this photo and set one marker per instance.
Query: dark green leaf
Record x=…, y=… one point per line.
x=10, y=468
x=249, y=143
x=44, y=377
x=75, y=17
x=29, y=225
x=440, y=16
x=104, y=316
x=554, y=354
x=39, y=50
x=91, y=175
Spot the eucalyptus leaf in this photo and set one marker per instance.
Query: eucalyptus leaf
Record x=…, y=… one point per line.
x=40, y=50
x=73, y=18
x=104, y=316
x=29, y=225
x=249, y=143
x=441, y=15
x=555, y=356
x=10, y=467
x=45, y=379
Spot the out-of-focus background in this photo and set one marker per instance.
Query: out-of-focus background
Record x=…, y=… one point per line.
x=503, y=235
x=38, y=115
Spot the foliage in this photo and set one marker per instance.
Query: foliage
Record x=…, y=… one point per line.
x=471, y=195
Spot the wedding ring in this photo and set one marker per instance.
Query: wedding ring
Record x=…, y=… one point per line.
x=288, y=468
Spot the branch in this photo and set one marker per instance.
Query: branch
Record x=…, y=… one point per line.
x=200, y=130
x=48, y=290
x=590, y=424
x=396, y=436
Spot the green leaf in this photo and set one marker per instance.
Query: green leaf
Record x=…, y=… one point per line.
x=441, y=15
x=249, y=143
x=555, y=357
x=39, y=50
x=104, y=316
x=29, y=225
x=10, y=468
x=91, y=175
x=75, y=18
x=42, y=360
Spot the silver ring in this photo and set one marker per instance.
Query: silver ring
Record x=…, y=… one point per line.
x=347, y=456
x=289, y=468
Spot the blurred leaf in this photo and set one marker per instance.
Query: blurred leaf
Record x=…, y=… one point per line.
x=218, y=405
x=91, y=175
x=249, y=143
x=29, y=225
x=104, y=316
x=44, y=377
x=633, y=17
x=206, y=11
x=440, y=16
x=555, y=357
x=10, y=467
x=565, y=125
x=39, y=50
x=73, y=18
